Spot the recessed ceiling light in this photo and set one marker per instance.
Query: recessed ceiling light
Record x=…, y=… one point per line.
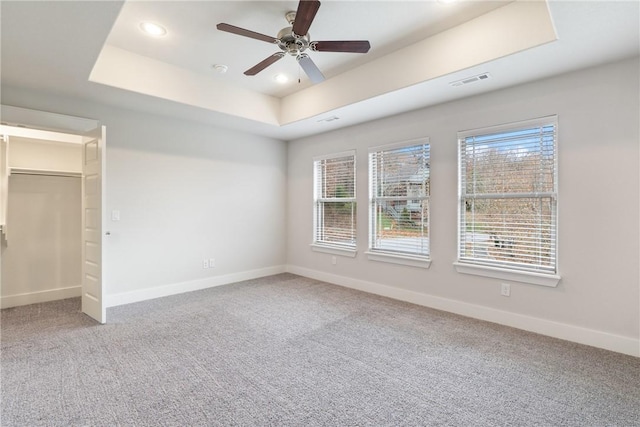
x=446, y=1
x=153, y=29
x=220, y=68
x=281, y=78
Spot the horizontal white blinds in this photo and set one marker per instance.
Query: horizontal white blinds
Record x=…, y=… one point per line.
x=334, y=200
x=335, y=178
x=399, y=199
x=508, y=190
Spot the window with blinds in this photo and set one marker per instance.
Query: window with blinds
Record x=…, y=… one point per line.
x=508, y=196
x=399, y=198
x=335, y=200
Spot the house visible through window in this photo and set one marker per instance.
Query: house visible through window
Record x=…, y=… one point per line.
x=335, y=201
x=508, y=197
x=399, y=199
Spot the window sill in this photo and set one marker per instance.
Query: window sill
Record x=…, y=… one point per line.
x=412, y=261
x=550, y=280
x=334, y=250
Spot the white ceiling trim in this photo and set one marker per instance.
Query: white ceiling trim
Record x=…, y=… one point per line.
x=475, y=42
x=136, y=73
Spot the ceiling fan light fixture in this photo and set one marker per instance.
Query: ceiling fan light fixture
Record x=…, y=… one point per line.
x=281, y=78
x=295, y=40
x=152, y=29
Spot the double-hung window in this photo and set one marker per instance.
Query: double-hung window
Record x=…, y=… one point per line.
x=399, y=187
x=335, y=203
x=508, y=187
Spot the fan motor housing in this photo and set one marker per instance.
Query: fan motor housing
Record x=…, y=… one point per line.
x=295, y=44
x=292, y=43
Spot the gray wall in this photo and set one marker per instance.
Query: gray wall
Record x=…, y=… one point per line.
x=597, y=300
x=185, y=192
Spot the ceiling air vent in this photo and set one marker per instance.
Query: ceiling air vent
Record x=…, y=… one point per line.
x=472, y=79
x=329, y=119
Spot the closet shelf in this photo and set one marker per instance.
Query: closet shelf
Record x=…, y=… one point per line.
x=48, y=172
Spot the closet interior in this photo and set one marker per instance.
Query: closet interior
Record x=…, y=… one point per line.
x=40, y=216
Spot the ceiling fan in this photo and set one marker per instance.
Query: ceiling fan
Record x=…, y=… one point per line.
x=295, y=40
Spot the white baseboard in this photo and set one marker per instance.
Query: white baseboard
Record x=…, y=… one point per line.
x=40, y=296
x=192, y=285
x=550, y=328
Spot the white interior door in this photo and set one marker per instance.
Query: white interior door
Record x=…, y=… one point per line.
x=93, y=151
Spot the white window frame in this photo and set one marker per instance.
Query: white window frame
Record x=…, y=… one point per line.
x=477, y=266
x=379, y=254
x=319, y=245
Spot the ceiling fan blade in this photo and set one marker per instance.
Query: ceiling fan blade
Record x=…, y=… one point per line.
x=307, y=10
x=351, y=46
x=264, y=64
x=247, y=33
x=310, y=68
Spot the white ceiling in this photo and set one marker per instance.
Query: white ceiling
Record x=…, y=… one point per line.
x=418, y=48
x=192, y=30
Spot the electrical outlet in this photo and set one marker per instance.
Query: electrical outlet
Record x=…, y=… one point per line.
x=212, y=263
x=334, y=260
x=505, y=290
x=205, y=263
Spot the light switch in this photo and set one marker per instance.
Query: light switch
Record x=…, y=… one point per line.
x=115, y=215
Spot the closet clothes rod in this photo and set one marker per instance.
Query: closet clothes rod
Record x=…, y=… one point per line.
x=44, y=172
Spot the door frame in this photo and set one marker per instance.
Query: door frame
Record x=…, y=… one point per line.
x=85, y=127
